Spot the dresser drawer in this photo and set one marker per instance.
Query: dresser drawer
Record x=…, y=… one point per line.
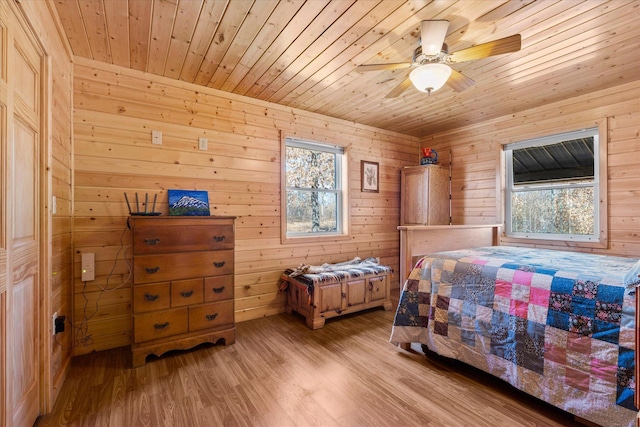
x=157, y=238
x=160, y=324
x=218, y=288
x=160, y=268
x=151, y=297
x=210, y=315
x=186, y=292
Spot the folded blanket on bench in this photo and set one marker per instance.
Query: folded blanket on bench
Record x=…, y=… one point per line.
x=310, y=275
x=326, y=268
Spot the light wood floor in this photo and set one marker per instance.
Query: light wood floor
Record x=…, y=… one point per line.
x=279, y=373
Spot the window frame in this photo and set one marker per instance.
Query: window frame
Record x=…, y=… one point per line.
x=342, y=190
x=597, y=240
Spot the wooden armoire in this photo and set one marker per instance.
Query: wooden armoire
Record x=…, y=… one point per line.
x=424, y=195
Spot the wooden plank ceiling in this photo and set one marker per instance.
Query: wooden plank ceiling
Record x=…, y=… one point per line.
x=303, y=54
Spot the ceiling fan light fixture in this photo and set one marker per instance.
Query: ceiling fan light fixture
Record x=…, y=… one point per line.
x=430, y=77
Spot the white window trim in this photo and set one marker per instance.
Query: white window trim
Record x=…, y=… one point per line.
x=600, y=240
x=343, y=198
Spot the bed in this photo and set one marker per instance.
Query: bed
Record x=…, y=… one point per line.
x=557, y=325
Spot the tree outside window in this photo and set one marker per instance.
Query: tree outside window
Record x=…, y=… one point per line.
x=313, y=188
x=552, y=187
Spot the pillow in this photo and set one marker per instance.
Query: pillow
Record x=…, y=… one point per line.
x=633, y=275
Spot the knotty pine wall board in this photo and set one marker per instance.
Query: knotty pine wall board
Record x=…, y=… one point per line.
x=115, y=111
x=476, y=149
x=205, y=107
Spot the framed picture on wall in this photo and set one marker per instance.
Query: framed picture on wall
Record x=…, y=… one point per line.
x=369, y=176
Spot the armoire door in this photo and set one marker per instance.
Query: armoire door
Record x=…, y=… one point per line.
x=21, y=184
x=424, y=195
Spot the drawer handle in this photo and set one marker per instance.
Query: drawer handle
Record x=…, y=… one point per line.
x=150, y=297
x=186, y=294
x=218, y=290
x=151, y=242
x=218, y=238
x=219, y=264
x=211, y=316
x=151, y=270
x=344, y=295
x=160, y=326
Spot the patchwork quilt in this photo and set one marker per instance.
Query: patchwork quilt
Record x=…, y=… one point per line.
x=557, y=325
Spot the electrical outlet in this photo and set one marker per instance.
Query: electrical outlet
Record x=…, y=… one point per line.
x=58, y=325
x=53, y=322
x=88, y=266
x=156, y=137
x=203, y=143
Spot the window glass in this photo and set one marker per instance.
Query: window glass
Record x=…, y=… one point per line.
x=313, y=179
x=552, y=187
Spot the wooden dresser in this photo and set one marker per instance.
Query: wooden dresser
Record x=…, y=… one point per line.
x=182, y=283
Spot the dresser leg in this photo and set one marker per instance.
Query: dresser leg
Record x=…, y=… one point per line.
x=138, y=359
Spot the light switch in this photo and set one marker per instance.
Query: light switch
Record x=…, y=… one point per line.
x=203, y=143
x=156, y=137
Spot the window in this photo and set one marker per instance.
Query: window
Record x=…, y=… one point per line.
x=553, y=187
x=314, y=185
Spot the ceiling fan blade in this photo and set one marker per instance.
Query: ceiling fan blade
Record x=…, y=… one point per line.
x=432, y=34
x=375, y=67
x=496, y=47
x=459, y=82
x=397, y=91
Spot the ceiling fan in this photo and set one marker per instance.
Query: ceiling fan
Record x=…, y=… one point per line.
x=430, y=60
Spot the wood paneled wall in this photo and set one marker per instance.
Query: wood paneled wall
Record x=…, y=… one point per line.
x=115, y=111
x=57, y=165
x=475, y=152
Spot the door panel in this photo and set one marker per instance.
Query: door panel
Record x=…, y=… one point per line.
x=377, y=288
x=3, y=211
x=25, y=76
x=23, y=138
x=330, y=297
x=355, y=292
x=24, y=183
x=24, y=351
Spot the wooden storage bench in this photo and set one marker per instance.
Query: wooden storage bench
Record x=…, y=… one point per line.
x=325, y=295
